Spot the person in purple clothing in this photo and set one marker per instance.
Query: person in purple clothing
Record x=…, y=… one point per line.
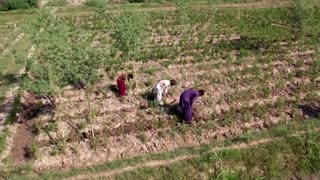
x=187, y=98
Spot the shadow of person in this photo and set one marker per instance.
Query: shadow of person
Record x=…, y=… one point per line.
x=27, y=152
x=114, y=89
x=310, y=110
x=32, y=106
x=173, y=110
x=150, y=99
x=148, y=95
x=8, y=79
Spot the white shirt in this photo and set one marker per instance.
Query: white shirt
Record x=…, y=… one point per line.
x=163, y=86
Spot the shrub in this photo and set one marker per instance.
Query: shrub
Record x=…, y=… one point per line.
x=6, y=5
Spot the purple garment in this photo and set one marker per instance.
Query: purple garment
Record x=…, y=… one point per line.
x=187, y=98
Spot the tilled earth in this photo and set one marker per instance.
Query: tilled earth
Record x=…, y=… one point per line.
x=243, y=93
x=129, y=126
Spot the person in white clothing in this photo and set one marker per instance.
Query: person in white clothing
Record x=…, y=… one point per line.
x=161, y=89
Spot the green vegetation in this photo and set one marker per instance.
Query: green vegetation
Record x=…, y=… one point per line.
x=9, y=49
x=260, y=67
x=3, y=136
x=65, y=57
x=299, y=152
x=6, y=5
x=57, y=3
x=129, y=33
x=274, y=160
x=99, y=4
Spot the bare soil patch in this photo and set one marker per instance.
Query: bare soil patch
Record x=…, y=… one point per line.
x=21, y=148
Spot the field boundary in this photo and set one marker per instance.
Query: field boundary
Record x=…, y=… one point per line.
x=173, y=7
x=158, y=163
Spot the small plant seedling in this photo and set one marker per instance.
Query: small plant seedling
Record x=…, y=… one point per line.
x=161, y=134
x=52, y=126
x=156, y=123
x=183, y=128
x=33, y=150
x=81, y=125
x=140, y=127
x=153, y=104
x=151, y=70
x=149, y=82
x=143, y=137
x=95, y=143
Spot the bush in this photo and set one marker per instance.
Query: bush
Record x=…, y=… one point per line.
x=6, y=5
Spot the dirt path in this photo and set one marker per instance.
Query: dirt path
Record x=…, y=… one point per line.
x=22, y=140
x=20, y=150
x=6, y=106
x=9, y=142
x=22, y=136
x=157, y=163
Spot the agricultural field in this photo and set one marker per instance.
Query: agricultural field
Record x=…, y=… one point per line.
x=258, y=62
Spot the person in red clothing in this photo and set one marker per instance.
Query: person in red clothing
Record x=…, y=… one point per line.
x=122, y=88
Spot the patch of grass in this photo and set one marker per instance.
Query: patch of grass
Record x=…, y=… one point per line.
x=32, y=151
x=57, y=3
x=149, y=83
x=156, y=123
x=153, y=104
x=228, y=174
x=151, y=70
x=8, y=70
x=183, y=128
x=274, y=160
x=3, y=136
x=281, y=131
x=15, y=109
x=7, y=5
x=245, y=137
x=95, y=143
x=312, y=153
x=96, y=3
x=143, y=137
x=51, y=126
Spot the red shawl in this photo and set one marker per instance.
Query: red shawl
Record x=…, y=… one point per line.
x=121, y=85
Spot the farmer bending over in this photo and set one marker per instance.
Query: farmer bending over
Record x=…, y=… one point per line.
x=121, y=84
x=187, y=98
x=161, y=89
